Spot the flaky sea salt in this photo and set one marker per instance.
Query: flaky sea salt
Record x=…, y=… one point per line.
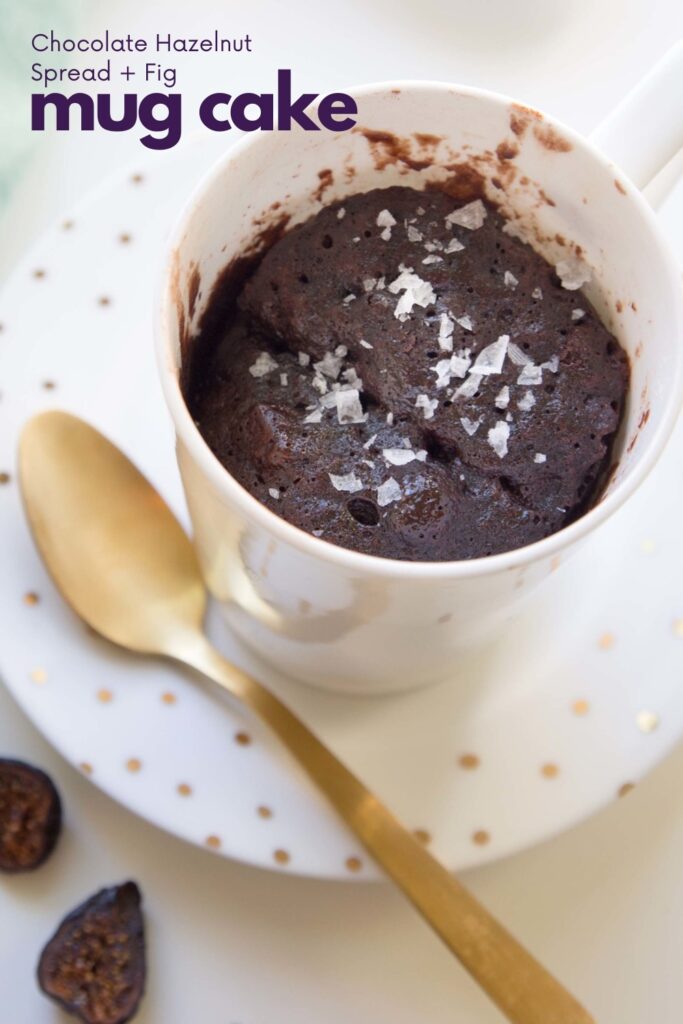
x=370, y=441
x=264, y=365
x=329, y=400
x=369, y=283
x=470, y=216
x=341, y=213
x=349, y=298
x=346, y=482
x=465, y=322
x=388, y=492
x=416, y=292
x=530, y=374
x=315, y=416
x=445, y=333
x=490, y=359
x=284, y=380
x=537, y=293
x=517, y=355
x=455, y=245
x=578, y=314
x=460, y=363
x=498, y=438
x=349, y=409
x=386, y=221
x=399, y=456
x=470, y=426
x=552, y=364
x=502, y=399
x=433, y=258
x=443, y=373
x=274, y=493
x=509, y=280
x=304, y=358
x=330, y=365
x=456, y=366
x=364, y=343
x=539, y=457
x=573, y=272
x=390, y=419
x=527, y=401
x=413, y=234
x=427, y=404
x=469, y=387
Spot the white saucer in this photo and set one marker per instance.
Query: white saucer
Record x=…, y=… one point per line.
x=575, y=702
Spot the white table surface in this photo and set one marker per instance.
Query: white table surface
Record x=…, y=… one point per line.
x=601, y=905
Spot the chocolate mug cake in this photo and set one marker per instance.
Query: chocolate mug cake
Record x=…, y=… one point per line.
x=403, y=376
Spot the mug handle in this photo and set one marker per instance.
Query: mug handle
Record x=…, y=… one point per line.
x=645, y=130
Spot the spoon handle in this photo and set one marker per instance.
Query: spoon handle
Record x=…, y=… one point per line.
x=521, y=988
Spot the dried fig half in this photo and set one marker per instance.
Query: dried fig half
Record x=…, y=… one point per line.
x=94, y=965
x=30, y=816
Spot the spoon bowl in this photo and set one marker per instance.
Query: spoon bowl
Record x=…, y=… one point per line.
x=108, y=539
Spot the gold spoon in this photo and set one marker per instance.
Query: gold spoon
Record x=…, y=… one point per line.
x=125, y=565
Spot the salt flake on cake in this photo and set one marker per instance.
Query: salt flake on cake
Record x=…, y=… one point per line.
x=402, y=456
x=446, y=326
x=455, y=245
x=388, y=492
x=530, y=375
x=490, y=359
x=460, y=363
x=263, y=365
x=348, y=482
x=498, y=437
x=573, y=273
x=517, y=355
x=416, y=292
x=470, y=216
x=385, y=221
x=469, y=387
x=349, y=408
x=427, y=404
x=330, y=365
x=502, y=399
x=470, y=426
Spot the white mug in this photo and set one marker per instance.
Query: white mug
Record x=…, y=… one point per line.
x=358, y=623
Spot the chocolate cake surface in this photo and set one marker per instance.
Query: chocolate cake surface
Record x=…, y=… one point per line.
x=402, y=376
